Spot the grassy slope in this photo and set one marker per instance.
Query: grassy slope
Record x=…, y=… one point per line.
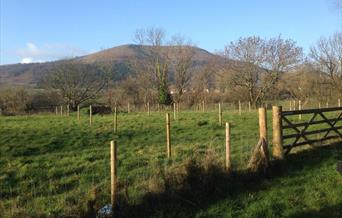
x=50, y=165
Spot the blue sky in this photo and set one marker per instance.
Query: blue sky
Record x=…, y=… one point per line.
x=43, y=30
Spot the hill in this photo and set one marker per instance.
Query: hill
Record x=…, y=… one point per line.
x=30, y=74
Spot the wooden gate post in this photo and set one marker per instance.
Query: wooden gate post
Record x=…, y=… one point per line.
x=278, y=152
x=113, y=173
x=90, y=115
x=228, y=163
x=220, y=114
x=263, y=123
x=168, y=135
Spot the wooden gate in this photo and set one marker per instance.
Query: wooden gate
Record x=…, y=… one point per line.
x=304, y=127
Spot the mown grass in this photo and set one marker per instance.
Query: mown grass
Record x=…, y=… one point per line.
x=55, y=166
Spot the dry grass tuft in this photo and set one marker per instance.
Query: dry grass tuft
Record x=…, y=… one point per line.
x=196, y=171
x=259, y=161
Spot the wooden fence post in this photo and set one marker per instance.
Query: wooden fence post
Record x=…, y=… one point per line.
x=128, y=108
x=56, y=110
x=290, y=105
x=220, y=114
x=61, y=110
x=300, y=108
x=113, y=173
x=249, y=106
x=327, y=104
x=203, y=106
x=115, y=120
x=228, y=163
x=339, y=102
x=277, y=132
x=263, y=123
x=168, y=137
x=174, y=111
x=294, y=105
x=90, y=115
x=78, y=112
x=148, y=108
x=68, y=110
x=239, y=107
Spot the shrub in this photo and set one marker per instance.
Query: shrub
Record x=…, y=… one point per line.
x=14, y=101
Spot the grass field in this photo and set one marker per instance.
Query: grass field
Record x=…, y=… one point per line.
x=53, y=166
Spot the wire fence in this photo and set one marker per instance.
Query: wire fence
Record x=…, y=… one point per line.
x=64, y=173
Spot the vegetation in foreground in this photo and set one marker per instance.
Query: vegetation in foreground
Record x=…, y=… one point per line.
x=57, y=167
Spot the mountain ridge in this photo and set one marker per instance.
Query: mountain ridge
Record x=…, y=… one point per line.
x=30, y=74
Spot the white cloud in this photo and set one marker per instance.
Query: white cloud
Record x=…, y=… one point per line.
x=26, y=60
x=30, y=60
x=47, y=52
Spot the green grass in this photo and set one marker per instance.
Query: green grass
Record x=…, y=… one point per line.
x=55, y=166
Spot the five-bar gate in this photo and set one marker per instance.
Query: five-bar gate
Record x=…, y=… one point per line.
x=302, y=127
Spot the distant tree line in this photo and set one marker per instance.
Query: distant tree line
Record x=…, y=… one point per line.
x=250, y=69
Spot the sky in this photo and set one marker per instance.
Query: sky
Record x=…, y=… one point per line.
x=46, y=30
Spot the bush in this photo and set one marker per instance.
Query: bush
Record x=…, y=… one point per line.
x=14, y=101
x=164, y=96
x=44, y=101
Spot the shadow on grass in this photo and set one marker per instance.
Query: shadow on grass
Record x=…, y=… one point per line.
x=199, y=184
x=332, y=211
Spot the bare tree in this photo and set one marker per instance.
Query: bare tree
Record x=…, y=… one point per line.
x=182, y=63
x=327, y=56
x=248, y=55
x=156, y=60
x=145, y=80
x=258, y=63
x=282, y=55
x=76, y=82
x=202, y=82
x=303, y=83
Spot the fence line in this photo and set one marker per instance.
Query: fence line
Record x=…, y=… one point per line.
x=277, y=138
